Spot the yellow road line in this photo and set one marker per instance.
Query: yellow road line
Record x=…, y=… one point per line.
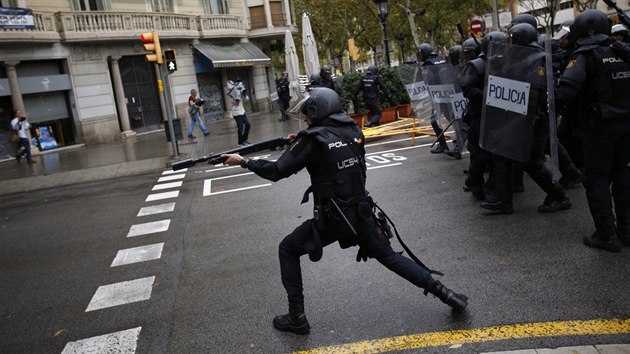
x=486, y=334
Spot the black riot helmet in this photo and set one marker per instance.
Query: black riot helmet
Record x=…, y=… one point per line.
x=524, y=18
x=591, y=27
x=325, y=72
x=522, y=34
x=470, y=50
x=454, y=54
x=621, y=31
x=372, y=69
x=494, y=36
x=321, y=103
x=425, y=49
x=315, y=81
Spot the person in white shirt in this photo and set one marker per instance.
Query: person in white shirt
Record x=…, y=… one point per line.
x=21, y=126
x=236, y=92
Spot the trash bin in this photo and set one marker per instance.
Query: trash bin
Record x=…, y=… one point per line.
x=177, y=128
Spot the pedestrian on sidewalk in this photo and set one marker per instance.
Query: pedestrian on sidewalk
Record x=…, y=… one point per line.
x=21, y=126
x=236, y=90
x=284, y=96
x=194, y=105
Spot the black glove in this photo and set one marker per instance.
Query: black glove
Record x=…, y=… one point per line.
x=622, y=50
x=361, y=255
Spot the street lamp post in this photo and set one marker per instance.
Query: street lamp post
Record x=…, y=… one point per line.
x=383, y=11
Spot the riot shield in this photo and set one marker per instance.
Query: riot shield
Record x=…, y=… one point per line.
x=411, y=77
x=515, y=84
x=446, y=95
x=551, y=109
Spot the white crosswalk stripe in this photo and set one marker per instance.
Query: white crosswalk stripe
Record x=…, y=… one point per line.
x=170, y=185
x=171, y=178
x=117, y=342
x=138, y=254
x=149, y=228
x=171, y=172
x=121, y=293
x=160, y=196
x=157, y=209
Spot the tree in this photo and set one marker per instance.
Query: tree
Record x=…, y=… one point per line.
x=582, y=5
x=543, y=9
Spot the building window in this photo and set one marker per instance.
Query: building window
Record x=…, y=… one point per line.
x=162, y=5
x=216, y=7
x=92, y=5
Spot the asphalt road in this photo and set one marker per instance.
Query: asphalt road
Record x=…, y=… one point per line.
x=216, y=284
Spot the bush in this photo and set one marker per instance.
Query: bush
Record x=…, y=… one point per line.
x=397, y=91
x=351, y=96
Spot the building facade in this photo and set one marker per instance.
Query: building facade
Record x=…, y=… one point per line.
x=77, y=67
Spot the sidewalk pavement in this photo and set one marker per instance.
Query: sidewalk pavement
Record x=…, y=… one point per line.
x=144, y=153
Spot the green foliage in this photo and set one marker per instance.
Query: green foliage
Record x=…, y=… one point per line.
x=394, y=86
x=351, y=96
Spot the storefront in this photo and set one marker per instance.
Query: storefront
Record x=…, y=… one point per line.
x=44, y=89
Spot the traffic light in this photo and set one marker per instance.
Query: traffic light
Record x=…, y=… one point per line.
x=152, y=44
x=171, y=60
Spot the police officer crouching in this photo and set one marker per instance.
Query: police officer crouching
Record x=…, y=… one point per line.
x=331, y=149
x=599, y=81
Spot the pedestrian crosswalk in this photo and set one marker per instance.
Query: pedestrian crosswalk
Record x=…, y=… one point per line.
x=129, y=291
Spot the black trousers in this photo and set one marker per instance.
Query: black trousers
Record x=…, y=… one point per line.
x=295, y=246
x=535, y=168
x=375, y=107
x=284, y=105
x=606, y=157
x=480, y=159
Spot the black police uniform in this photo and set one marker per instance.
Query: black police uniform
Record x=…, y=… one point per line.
x=369, y=85
x=472, y=81
x=284, y=96
x=332, y=151
x=601, y=81
x=506, y=169
x=436, y=59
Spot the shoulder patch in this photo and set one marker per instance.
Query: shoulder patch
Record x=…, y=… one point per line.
x=541, y=71
x=571, y=63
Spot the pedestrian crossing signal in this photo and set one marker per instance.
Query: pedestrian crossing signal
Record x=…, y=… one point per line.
x=152, y=44
x=171, y=60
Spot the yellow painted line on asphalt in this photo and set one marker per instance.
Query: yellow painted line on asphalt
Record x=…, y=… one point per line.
x=486, y=334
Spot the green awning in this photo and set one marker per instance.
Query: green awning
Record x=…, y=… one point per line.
x=233, y=54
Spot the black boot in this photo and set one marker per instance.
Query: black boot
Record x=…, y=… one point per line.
x=295, y=321
x=623, y=223
x=442, y=147
x=457, y=301
x=604, y=237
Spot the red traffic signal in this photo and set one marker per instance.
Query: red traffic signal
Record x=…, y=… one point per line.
x=152, y=44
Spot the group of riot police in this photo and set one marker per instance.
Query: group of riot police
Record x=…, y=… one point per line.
x=590, y=64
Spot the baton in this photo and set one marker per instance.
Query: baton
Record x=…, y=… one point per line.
x=442, y=133
x=343, y=216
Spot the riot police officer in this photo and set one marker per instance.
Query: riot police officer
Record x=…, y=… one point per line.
x=472, y=81
x=326, y=80
x=620, y=33
x=284, y=96
x=429, y=57
x=332, y=151
x=599, y=82
x=524, y=34
x=454, y=54
x=524, y=18
x=370, y=84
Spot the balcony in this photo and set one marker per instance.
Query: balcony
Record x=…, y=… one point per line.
x=72, y=27
x=44, y=30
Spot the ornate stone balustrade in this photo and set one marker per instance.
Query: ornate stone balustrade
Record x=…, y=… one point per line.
x=83, y=26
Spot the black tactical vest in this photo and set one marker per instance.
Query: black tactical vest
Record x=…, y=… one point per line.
x=369, y=86
x=609, y=83
x=340, y=171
